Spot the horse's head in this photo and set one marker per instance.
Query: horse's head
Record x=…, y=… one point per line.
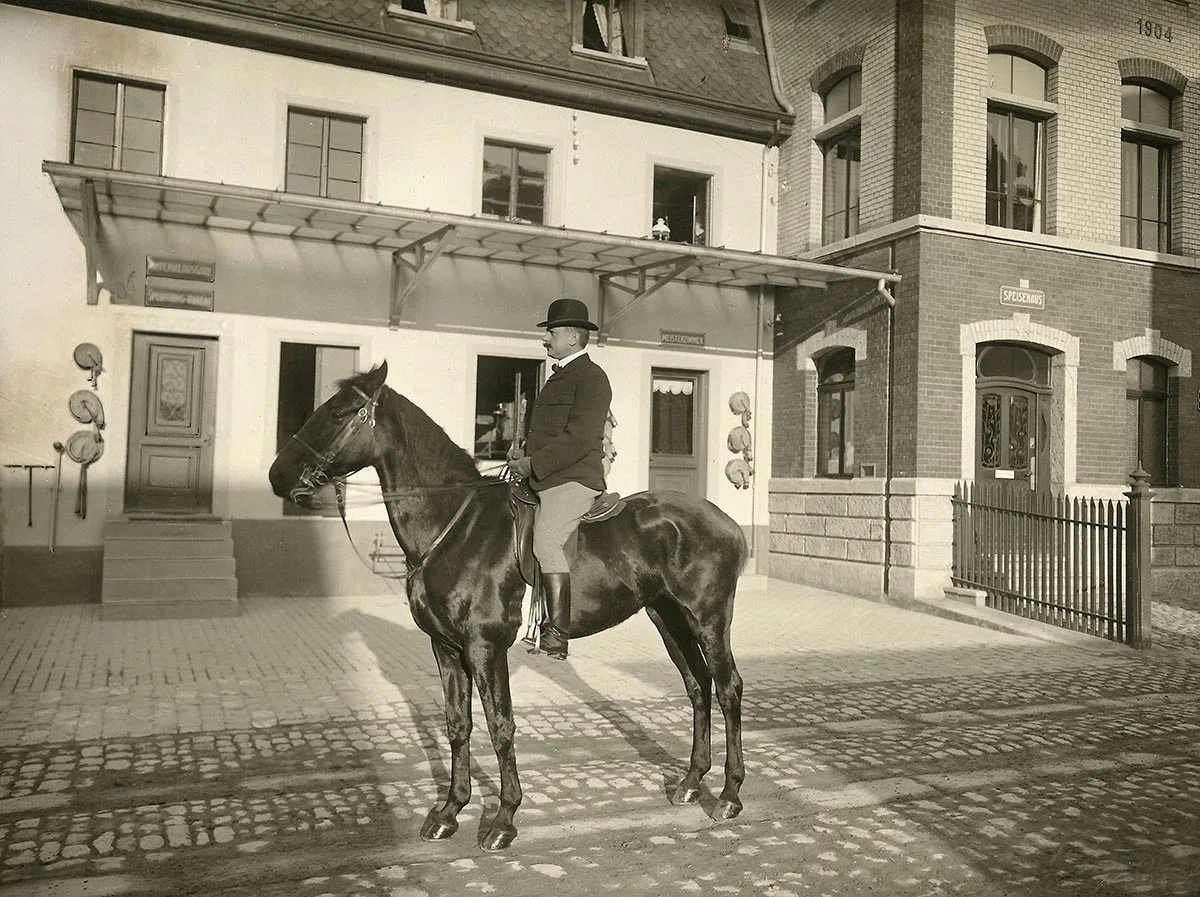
x=337, y=440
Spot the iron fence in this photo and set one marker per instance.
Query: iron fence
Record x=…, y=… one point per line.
x=1077, y=563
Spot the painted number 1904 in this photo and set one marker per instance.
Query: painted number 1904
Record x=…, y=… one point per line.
x=1156, y=30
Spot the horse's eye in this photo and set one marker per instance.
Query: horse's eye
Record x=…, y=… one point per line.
x=340, y=413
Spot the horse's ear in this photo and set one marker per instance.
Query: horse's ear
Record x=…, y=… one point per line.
x=377, y=376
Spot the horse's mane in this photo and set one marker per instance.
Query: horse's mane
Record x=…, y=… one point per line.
x=424, y=443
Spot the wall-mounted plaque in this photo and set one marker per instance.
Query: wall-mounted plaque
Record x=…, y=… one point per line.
x=180, y=269
x=1022, y=297
x=678, y=338
x=196, y=300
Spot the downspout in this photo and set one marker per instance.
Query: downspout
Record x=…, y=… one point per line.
x=770, y=197
x=890, y=300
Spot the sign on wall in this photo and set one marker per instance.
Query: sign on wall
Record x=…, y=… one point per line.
x=180, y=269
x=1022, y=297
x=679, y=338
x=162, y=297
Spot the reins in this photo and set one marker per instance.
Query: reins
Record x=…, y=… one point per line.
x=316, y=476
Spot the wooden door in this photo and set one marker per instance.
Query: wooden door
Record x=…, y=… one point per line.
x=172, y=406
x=1012, y=436
x=677, y=431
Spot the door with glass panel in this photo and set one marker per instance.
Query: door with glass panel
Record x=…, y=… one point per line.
x=1012, y=393
x=677, y=428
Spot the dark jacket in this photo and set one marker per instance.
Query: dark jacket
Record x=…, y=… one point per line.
x=566, y=427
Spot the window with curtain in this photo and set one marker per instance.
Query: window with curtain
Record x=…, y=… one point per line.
x=841, y=154
x=673, y=416
x=324, y=155
x=835, y=414
x=1145, y=169
x=1016, y=144
x=514, y=181
x=608, y=26
x=117, y=124
x=1147, y=405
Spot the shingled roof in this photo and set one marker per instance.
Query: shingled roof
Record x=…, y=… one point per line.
x=696, y=75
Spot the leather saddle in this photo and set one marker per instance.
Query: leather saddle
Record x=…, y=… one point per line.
x=523, y=502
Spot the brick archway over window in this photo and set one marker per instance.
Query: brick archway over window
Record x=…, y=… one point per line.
x=1018, y=39
x=1137, y=68
x=835, y=67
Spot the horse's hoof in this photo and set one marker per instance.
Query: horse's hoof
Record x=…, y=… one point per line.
x=685, y=794
x=726, y=809
x=498, y=838
x=436, y=829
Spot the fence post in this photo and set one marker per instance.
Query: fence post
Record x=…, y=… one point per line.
x=1138, y=592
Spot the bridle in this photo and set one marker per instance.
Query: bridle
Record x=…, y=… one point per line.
x=316, y=476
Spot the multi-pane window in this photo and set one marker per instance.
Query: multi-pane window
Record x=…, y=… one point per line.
x=1147, y=403
x=324, y=155
x=504, y=392
x=117, y=124
x=1016, y=153
x=841, y=153
x=835, y=414
x=514, y=181
x=608, y=26
x=1145, y=169
x=681, y=204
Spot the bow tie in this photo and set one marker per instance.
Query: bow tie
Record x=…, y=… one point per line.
x=555, y=368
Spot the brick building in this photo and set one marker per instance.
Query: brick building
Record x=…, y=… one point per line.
x=1032, y=170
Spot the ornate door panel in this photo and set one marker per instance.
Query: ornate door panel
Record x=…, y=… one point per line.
x=1008, y=441
x=171, y=418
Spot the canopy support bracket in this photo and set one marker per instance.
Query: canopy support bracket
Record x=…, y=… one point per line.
x=414, y=259
x=648, y=283
x=91, y=231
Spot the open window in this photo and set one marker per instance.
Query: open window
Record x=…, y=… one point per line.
x=438, y=9
x=308, y=376
x=608, y=26
x=681, y=201
x=504, y=392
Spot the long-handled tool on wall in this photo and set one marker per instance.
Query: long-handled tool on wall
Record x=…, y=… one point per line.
x=60, y=448
x=84, y=448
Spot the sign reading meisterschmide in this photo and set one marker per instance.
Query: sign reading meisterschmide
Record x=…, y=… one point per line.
x=1022, y=297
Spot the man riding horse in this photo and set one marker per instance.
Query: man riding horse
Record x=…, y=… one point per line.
x=564, y=459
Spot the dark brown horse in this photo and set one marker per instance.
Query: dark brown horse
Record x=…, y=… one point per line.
x=677, y=556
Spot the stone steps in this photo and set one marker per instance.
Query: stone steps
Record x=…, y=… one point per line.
x=168, y=568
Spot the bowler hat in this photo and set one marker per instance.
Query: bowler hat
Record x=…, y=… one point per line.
x=568, y=312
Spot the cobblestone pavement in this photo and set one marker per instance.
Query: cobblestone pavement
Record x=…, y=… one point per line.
x=294, y=751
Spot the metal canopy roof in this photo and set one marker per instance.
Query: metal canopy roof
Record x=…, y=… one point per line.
x=417, y=238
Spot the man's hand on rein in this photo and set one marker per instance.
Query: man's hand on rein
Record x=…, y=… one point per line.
x=521, y=468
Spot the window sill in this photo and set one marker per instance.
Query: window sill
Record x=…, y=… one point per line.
x=396, y=11
x=1023, y=104
x=1168, y=135
x=633, y=62
x=847, y=121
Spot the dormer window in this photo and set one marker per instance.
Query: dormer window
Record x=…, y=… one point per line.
x=612, y=27
x=438, y=9
x=735, y=27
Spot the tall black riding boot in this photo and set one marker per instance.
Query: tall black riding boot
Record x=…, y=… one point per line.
x=555, y=631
